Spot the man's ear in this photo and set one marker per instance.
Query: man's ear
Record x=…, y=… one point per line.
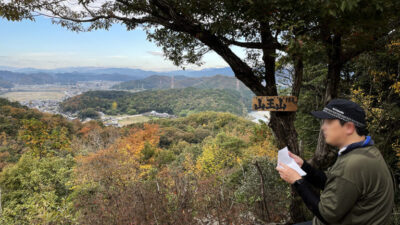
x=350, y=128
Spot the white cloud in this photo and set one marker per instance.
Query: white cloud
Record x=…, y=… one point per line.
x=156, y=53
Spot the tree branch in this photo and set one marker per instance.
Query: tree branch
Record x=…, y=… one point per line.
x=255, y=45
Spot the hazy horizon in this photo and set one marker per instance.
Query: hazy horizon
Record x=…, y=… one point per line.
x=5, y=67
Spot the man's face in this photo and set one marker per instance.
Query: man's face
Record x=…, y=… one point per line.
x=334, y=132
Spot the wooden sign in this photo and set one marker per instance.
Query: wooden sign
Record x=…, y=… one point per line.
x=274, y=103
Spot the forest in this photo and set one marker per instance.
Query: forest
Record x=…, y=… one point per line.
x=167, y=171
x=179, y=102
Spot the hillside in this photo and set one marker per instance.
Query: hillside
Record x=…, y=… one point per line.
x=156, y=82
x=179, y=102
x=49, y=165
x=5, y=84
x=165, y=82
x=15, y=119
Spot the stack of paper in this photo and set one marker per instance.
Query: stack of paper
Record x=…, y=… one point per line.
x=283, y=157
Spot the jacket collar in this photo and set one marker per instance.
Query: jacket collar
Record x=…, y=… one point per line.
x=367, y=142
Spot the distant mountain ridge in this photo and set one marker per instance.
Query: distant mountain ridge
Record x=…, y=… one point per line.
x=62, y=78
x=165, y=82
x=27, y=76
x=123, y=71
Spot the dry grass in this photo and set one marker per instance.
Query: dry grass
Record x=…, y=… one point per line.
x=130, y=119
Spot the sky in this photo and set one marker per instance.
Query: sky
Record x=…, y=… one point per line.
x=43, y=45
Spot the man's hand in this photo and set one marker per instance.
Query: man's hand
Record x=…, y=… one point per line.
x=288, y=174
x=296, y=158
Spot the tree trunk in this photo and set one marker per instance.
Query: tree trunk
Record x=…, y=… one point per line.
x=282, y=124
x=324, y=155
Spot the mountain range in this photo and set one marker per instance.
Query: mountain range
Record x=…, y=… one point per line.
x=123, y=71
x=131, y=78
x=13, y=75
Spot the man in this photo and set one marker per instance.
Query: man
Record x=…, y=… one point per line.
x=359, y=187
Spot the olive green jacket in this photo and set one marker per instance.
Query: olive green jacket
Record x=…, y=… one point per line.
x=359, y=190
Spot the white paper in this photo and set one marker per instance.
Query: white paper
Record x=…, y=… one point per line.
x=283, y=157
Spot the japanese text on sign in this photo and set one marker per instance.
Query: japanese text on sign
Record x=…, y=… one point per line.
x=274, y=103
